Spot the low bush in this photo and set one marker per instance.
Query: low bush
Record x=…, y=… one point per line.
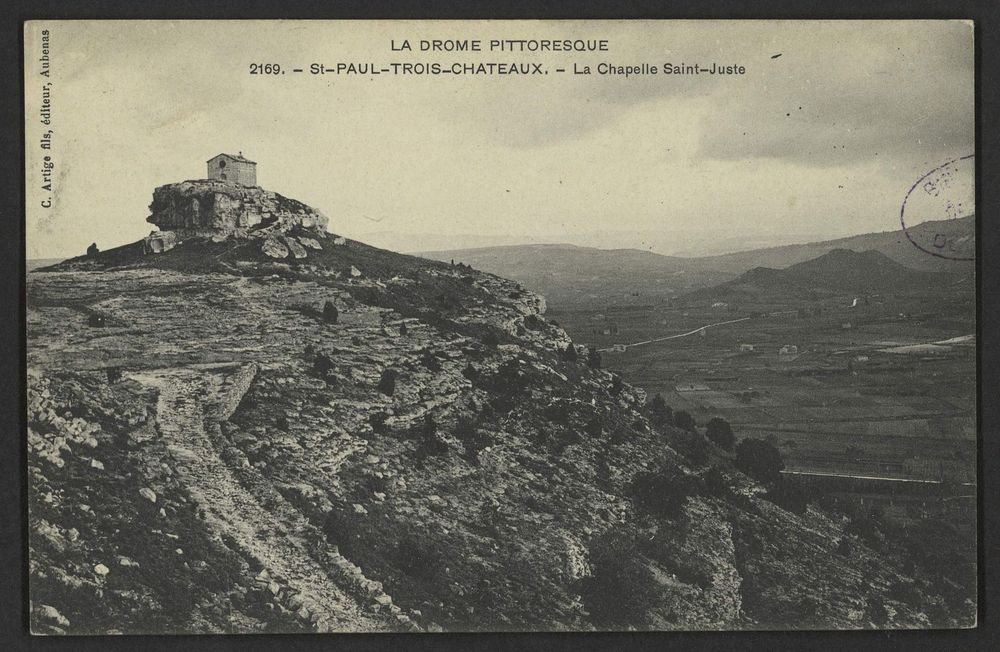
x=387, y=382
x=718, y=430
x=664, y=492
x=759, y=460
x=621, y=587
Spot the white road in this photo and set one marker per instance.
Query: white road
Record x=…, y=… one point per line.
x=671, y=337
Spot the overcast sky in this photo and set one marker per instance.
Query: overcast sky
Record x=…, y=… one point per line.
x=822, y=141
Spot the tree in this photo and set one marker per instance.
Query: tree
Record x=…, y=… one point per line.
x=759, y=460
x=719, y=431
x=684, y=420
x=660, y=412
x=594, y=358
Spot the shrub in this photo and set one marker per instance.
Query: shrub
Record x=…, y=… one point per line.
x=534, y=323
x=621, y=586
x=715, y=483
x=387, y=383
x=322, y=365
x=569, y=353
x=684, y=420
x=377, y=422
x=330, y=313
x=114, y=375
x=660, y=413
x=473, y=439
x=789, y=496
x=342, y=529
x=430, y=362
x=663, y=493
x=557, y=412
x=616, y=385
x=418, y=558
x=759, y=460
x=719, y=431
x=593, y=358
x=693, y=446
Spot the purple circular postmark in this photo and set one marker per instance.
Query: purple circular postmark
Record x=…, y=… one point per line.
x=934, y=203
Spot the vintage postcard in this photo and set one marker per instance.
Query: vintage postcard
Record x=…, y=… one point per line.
x=437, y=326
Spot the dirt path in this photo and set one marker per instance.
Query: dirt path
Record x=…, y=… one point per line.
x=272, y=537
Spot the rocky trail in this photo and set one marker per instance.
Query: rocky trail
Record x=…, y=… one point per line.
x=275, y=536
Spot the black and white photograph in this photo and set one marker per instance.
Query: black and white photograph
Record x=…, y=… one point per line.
x=445, y=326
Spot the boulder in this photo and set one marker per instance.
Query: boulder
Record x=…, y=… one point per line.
x=293, y=245
x=272, y=247
x=148, y=494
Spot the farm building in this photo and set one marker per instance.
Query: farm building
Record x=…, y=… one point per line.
x=233, y=169
x=617, y=348
x=744, y=348
x=789, y=349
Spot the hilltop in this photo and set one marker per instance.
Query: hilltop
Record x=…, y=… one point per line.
x=223, y=438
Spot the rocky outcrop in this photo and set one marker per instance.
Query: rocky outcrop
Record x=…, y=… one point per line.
x=209, y=208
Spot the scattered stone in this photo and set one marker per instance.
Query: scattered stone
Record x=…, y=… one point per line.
x=379, y=496
x=359, y=509
x=148, y=494
x=340, y=241
x=72, y=534
x=310, y=242
x=101, y=569
x=384, y=600
x=96, y=464
x=52, y=615
x=355, y=272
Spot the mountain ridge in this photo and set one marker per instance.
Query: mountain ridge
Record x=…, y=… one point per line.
x=572, y=274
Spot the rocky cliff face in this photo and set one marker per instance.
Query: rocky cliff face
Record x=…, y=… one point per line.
x=213, y=208
x=217, y=452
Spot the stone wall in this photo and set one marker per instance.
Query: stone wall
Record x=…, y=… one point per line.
x=238, y=386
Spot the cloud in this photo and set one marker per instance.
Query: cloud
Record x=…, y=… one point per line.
x=905, y=91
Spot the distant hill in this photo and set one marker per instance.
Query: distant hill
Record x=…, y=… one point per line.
x=564, y=272
x=847, y=271
x=568, y=273
x=894, y=244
